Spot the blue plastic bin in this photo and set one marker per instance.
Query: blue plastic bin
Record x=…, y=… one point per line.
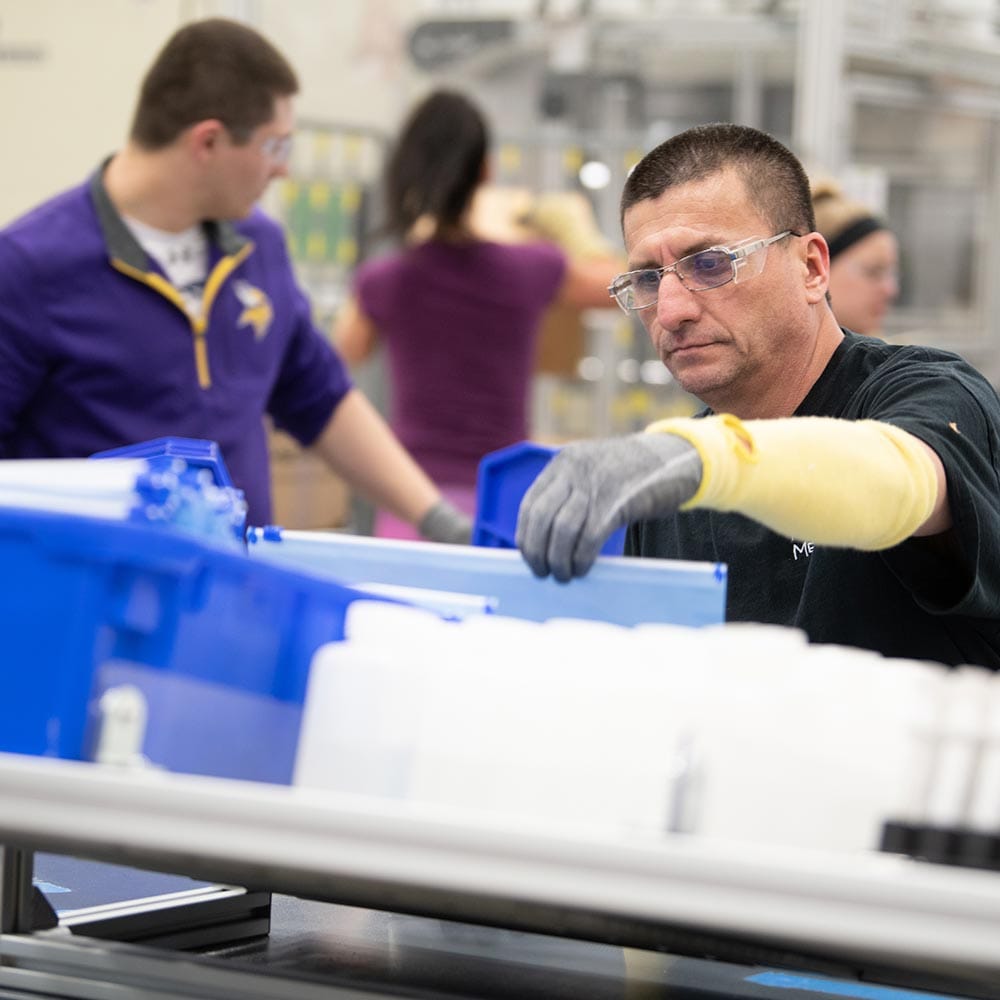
x=620, y=590
x=503, y=478
x=180, y=498
x=218, y=643
x=194, y=451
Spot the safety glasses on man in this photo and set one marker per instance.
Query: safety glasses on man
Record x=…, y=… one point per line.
x=697, y=272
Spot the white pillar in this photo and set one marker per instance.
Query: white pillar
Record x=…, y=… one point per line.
x=819, y=126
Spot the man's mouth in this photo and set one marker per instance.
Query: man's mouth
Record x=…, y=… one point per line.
x=681, y=349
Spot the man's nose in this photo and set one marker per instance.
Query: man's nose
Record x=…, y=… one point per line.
x=675, y=304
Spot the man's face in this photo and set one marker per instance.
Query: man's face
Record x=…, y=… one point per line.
x=726, y=344
x=247, y=168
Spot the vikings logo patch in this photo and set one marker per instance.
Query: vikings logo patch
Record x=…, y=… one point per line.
x=257, y=312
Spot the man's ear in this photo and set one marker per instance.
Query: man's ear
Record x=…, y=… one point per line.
x=204, y=137
x=816, y=261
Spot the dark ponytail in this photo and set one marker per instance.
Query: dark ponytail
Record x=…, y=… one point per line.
x=436, y=164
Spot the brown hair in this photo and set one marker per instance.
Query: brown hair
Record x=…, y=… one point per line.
x=775, y=181
x=213, y=68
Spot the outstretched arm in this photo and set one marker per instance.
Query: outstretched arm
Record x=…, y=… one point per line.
x=586, y=283
x=855, y=484
x=359, y=446
x=567, y=219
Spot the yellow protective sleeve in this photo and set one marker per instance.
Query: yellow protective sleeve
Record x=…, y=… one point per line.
x=856, y=484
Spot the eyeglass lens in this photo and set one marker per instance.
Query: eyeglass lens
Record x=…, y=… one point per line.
x=278, y=147
x=705, y=269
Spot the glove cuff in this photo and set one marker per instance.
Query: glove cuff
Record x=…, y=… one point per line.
x=445, y=523
x=724, y=445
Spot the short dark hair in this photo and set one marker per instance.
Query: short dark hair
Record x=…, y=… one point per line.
x=214, y=68
x=436, y=163
x=775, y=180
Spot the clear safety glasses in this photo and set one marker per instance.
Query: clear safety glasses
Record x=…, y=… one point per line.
x=697, y=272
x=277, y=148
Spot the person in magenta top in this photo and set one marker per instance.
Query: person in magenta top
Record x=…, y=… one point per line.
x=458, y=313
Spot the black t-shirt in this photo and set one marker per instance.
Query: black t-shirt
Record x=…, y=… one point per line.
x=913, y=600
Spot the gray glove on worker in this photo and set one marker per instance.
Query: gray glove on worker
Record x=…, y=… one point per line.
x=590, y=488
x=445, y=523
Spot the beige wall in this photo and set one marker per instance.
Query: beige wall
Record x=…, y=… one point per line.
x=61, y=114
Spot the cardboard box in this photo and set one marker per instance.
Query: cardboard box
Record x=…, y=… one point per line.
x=305, y=492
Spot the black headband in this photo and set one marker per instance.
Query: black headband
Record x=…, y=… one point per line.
x=865, y=226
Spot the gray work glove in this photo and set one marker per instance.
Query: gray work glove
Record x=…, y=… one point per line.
x=590, y=488
x=445, y=523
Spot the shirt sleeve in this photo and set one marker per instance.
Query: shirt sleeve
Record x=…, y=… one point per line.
x=953, y=409
x=23, y=336
x=361, y=282
x=313, y=377
x=549, y=268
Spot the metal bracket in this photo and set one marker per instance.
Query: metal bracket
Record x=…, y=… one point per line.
x=23, y=907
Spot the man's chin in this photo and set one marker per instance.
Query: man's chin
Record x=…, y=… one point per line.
x=236, y=213
x=699, y=382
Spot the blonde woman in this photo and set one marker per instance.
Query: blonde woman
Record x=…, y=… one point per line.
x=864, y=258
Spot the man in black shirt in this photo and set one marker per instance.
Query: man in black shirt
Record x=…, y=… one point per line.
x=851, y=486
